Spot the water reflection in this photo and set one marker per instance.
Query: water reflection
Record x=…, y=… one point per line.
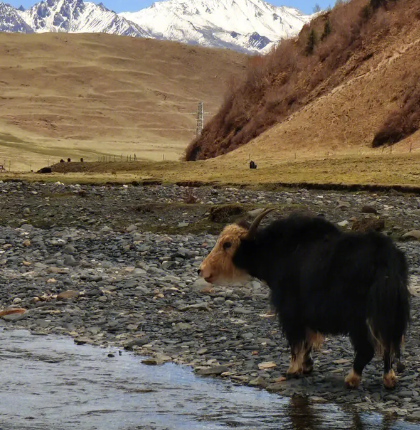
x=306, y=416
x=50, y=383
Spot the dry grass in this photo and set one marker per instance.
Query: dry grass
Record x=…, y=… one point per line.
x=362, y=45
x=375, y=169
x=86, y=95
x=405, y=120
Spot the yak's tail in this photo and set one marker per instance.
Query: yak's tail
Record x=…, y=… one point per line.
x=388, y=309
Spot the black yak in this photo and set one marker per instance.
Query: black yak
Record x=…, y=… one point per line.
x=322, y=281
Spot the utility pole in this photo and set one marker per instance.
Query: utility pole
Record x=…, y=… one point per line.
x=200, y=119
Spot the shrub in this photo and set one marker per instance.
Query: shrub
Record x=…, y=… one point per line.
x=402, y=122
x=310, y=45
x=327, y=29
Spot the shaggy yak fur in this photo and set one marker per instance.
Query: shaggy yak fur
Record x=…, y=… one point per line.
x=322, y=281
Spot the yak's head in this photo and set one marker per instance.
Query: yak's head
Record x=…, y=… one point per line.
x=218, y=266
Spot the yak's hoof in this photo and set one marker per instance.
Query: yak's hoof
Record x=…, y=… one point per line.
x=352, y=380
x=295, y=369
x=293, y=375
x=390, y=380
x=308, y=366
x=308, y=369
x=400, y=367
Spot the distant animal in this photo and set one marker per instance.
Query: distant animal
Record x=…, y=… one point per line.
x=45, y=170
x=61, y=161
x=68, y=160
x=81, y=160
x=252, y=165
x=322, y=281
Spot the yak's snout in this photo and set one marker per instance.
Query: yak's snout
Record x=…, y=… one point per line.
x=206, y=271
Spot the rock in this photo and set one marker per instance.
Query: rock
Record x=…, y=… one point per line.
x=69, y=249
x=316, y=399
x=137, y=342
x=367, y=209
x=415, y=415
x=13, y=314
x=254, y=213
x=213, y=371
x=82, y=341
x=70, y=261
x=208, y=289
x=344, y=223
x=131, y=228
x=200, y=306
x=26, y=243
x=343, y=205
x=151, y=362
x=274, y=388
x=413, y=234
x=199, y=284
x=68, y=295
x=225, y=213
x=267, y=365
x=258, y=382
x=368, y=224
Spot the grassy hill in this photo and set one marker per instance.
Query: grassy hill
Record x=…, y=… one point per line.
x=86, y=95
x=348, y=83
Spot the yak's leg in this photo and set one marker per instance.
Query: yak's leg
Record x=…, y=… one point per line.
x=296, y=363
x=313, y=341
x=364, y=354
x=296, y=337
x=389, y=375
x=308, y=362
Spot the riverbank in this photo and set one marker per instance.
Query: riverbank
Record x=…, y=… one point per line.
x=129, y=254
x=373, y=170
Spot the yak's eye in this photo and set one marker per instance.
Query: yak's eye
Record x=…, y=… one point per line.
x=227, y=245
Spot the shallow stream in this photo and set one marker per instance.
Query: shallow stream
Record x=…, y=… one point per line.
x=50, y=383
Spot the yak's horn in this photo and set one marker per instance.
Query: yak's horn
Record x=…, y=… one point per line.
x=254, y=227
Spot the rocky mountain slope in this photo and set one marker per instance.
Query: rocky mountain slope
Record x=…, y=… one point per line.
x=11, y=21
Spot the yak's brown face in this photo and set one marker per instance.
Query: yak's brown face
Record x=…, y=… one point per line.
x=218, y=267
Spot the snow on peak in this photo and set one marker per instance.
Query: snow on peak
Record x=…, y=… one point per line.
x=247, y=25
x=77, y=16
x=11, y=21
x=244, y=25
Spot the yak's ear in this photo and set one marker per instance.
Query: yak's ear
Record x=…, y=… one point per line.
x=243, y=223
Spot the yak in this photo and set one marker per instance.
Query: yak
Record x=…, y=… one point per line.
x=323, y=282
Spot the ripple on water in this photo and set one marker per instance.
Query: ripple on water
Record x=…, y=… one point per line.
x=50, y=383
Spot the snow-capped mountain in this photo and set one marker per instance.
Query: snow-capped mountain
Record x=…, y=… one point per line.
x=77, y=16
x=11, y=21
x=243, y=25
x=248, y=25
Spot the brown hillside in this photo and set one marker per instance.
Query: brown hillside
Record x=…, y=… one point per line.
x=68, y=95
x=360, y=79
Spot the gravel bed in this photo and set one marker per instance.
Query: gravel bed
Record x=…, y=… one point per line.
x=103, y=280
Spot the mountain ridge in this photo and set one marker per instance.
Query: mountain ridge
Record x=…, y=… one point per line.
x=248, y=26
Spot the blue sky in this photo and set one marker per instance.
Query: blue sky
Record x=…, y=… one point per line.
x=134, y=5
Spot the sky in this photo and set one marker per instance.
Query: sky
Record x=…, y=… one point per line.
x=305, y=6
